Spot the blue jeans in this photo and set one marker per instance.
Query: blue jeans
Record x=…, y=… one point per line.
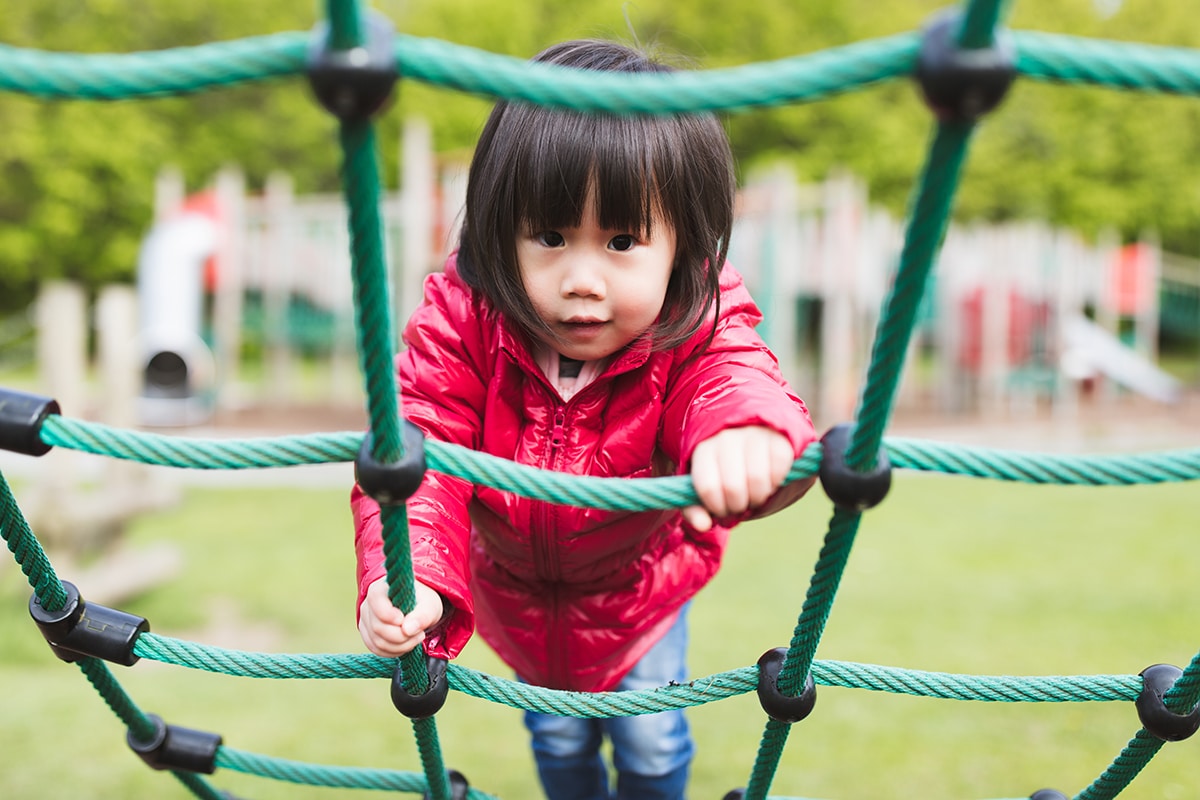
x=652, y=753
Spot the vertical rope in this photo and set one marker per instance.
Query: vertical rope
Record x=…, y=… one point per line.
x=28, y=552
x=345, y=28
x=926, y=227
x=1181, y=698
x=373, y=320
x=979, y=23
x=822, y=590
x=140, y=726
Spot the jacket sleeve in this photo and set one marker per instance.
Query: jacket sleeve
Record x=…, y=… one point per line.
x=733, y=382
x=442, y=392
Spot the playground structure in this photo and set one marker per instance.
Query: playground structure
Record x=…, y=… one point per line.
x=1017, y=314
x=273, y=269
x=1020, y=314
x=853, y=461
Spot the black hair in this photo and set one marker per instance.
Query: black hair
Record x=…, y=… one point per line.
x=534, y=167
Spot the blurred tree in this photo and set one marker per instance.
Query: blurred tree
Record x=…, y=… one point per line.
x=76, y=178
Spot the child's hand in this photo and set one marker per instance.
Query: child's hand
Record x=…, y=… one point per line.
x=736, y=470
x=386, y=630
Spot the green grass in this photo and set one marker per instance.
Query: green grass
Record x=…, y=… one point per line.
x=948, y=574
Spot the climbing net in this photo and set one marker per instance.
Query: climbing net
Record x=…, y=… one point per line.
x=964, y=62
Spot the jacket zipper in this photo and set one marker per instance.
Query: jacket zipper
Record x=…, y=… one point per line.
x=547, y=550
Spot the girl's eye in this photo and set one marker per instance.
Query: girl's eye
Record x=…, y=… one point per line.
x=622, y=243
x=549, y=238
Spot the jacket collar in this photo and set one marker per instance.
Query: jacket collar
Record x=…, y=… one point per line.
x=515, y=345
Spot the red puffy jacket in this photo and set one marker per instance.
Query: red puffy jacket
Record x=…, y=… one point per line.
x=570, y=598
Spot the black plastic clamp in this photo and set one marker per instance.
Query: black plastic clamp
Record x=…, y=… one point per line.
x=848, y=488
x=81, y=629
x=735, y=794
x=173, y=747
x=429, y=702
x=778, y=705
x=960, y=83
x=357, y=83
x=459, y=787
x=1156, y=718
x=392, y=484
x=21, y=418
x=1048, y=794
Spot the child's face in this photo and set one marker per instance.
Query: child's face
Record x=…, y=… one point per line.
x=596, y=289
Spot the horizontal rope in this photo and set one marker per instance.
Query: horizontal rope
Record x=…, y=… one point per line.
x=946, y=686
x=612, y=493
x=801, y=78
x=299, y=772
x=1042, y=468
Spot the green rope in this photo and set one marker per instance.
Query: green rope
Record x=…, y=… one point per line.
x=979, y=23
x=798, y=79
x=140, y=725
x=300, y=772
x=345, y=29
x=1181, y=698
x=850, y=675
x=638, y=494
x=28, y=552
x=926, y=227
x=818, y=602
x=1113, y=65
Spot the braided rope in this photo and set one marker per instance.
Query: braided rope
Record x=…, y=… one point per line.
x=610, y=493
x=844, y=674
x=806, y=78
x=803, y=78
x=329, y=776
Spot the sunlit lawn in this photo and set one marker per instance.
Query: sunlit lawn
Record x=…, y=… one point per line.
x=952, y=575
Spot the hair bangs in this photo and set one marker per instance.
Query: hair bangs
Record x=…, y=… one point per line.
x=571, y=156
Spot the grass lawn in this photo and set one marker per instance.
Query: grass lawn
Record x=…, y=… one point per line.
x=949, y=574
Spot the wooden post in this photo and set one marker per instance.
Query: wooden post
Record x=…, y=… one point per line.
x=278, y=281
x=169, y=192
x=227, y=303
x=839, y=376
x=61, y=318
x=417, y=193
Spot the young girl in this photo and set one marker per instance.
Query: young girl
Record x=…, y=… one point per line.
x=587, y=324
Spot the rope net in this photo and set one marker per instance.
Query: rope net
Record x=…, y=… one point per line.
x=975, y=32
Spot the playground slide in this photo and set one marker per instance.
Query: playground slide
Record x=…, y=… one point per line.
x=1091, y=350
x=177, y=365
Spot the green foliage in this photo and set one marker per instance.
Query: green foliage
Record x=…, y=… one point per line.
x=76, y=178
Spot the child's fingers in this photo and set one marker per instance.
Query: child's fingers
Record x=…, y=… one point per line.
x=698, y=518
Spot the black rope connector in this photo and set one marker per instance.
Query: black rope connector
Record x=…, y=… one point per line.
x=846, y=487
x=778, y=705
x=735, y=794
x=173, y=747
x=962, y=84
x=392, y=484
x=459, y=787
x=1156, y=718
x=357, y=83
x=21, y=418
x=428, y=703
x=88, y=629
x=1048, y=794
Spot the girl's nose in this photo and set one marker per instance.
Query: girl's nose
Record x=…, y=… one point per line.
x=583, y=277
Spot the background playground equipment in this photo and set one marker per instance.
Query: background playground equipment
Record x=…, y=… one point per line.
x=857, y=454
x=1017, y=314
x=275, y=269
x=1020, y=314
